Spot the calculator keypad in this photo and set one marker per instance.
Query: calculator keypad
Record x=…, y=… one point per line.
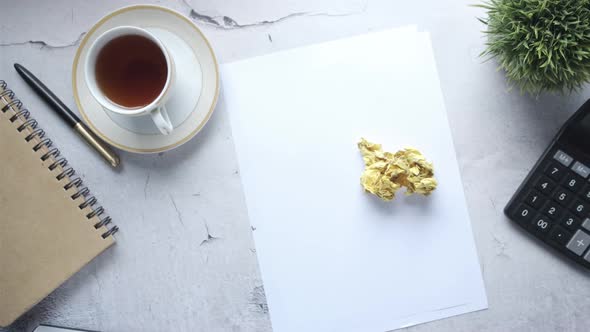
x=562, y=157
x=580, y=208
x=523, y=213
x=585, y=193
x=552, y=210
x=570, y=222
x=535, y=199
x=544, y=185
x=562, y=196
x=559, y=235
x=581, y=169
x=573, y=182
x=542, y=224
x=555, y=171
x=579, y=243
x=555, y=204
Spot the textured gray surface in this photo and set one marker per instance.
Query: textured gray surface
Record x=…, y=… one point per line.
x=185, y=259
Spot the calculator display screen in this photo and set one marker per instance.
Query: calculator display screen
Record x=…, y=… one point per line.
x=578, y=134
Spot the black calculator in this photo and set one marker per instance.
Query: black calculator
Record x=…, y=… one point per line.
x=553, y=201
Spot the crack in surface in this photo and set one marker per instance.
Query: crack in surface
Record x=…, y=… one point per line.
x=224, y=22
x=501, y=245
x=201, y=17
x=146, y=184
x=210, y=238
x=98, y=284
x=258, y=299
x=45, y=44
x=176, y=209
x=492, y=201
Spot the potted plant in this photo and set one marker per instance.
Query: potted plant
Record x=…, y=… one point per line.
x=541, y=45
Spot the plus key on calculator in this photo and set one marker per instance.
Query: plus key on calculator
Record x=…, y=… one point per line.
x=553, y=201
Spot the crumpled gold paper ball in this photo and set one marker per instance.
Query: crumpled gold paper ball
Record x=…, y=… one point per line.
x=385, y=173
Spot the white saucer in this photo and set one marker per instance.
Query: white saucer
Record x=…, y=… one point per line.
x=194, y=92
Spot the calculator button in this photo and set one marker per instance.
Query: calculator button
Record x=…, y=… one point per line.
x=579, y=243
x=559, y=235
x=563, y=158
x=545, y=185
x=535, y=199
x=573, y=182
x=523, y=213
x=570, y=222
x=587, y=257
x=552, y=210
x=555, y=171
x=586, y=193
x=542, y=224
x=581, y=169
x=580, y=208
x=586, y=224
x=562, y=196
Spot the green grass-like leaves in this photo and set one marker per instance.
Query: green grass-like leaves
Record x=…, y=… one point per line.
x=543, y=45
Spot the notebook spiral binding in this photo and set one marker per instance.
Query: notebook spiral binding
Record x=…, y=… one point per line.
x=26, y=121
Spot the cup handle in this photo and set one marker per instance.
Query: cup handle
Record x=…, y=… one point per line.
x=162, y=120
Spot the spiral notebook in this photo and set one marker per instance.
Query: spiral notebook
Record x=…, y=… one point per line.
x=50, y=225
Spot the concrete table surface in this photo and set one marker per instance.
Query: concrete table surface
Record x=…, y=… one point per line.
x=185, y=259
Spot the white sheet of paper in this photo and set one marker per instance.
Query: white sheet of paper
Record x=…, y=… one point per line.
x=332, y=257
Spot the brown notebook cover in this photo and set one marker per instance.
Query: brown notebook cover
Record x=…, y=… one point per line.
x=47, y=233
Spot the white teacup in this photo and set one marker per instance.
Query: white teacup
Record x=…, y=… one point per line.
x=156, y=108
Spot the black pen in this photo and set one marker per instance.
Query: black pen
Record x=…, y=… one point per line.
x=101, y=147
